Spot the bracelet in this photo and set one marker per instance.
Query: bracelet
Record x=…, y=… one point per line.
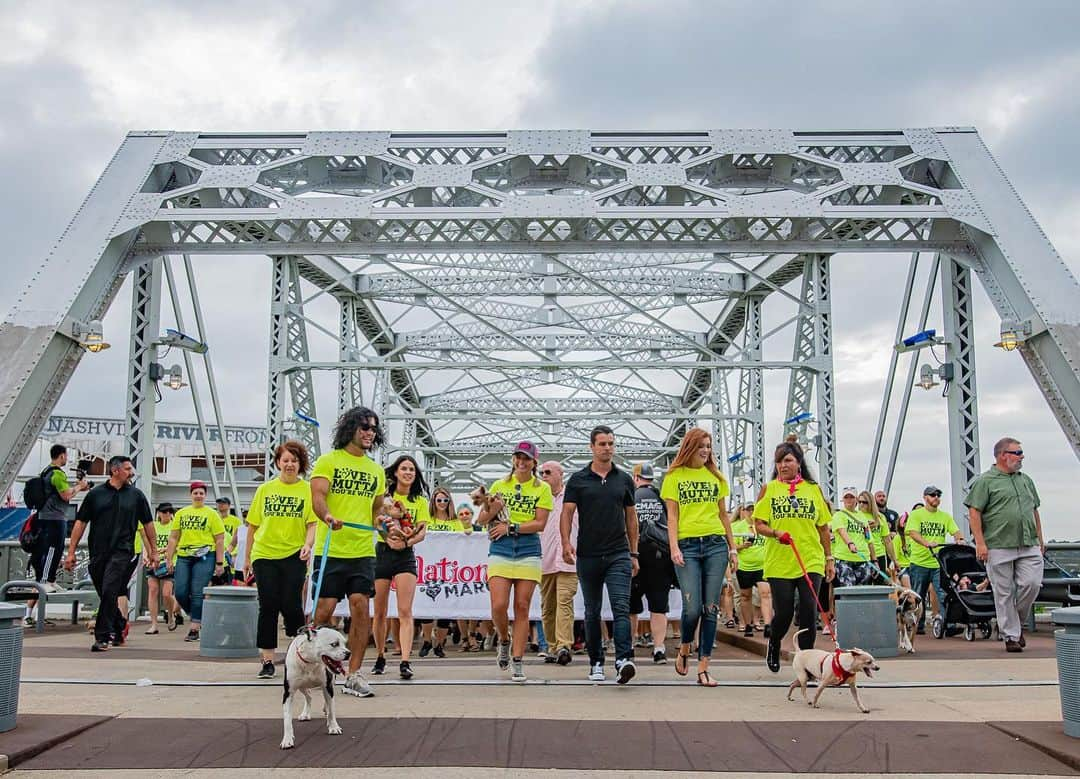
x=830, y=559
x=634, y=554
x=220, y=562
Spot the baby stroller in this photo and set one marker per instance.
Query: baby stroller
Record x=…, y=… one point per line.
x=961, y=574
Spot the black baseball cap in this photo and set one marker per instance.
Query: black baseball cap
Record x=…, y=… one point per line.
x=930, y=489
x=166, y=508
x=223, y=500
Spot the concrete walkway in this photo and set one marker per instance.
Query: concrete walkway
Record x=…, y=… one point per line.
x=943, y=713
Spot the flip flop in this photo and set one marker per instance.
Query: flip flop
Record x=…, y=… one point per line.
x=681, y=663
x=709, y=681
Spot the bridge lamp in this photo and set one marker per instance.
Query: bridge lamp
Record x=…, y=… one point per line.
x=928, y=375
x=175, y=379
x=90, y=335
x=1012, y=334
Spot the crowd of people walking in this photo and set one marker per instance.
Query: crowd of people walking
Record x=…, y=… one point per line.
x=761, y=566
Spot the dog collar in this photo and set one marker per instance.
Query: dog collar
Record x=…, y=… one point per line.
x=304, y=659
x=838, y=670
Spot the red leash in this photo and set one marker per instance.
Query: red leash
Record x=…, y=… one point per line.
x=785, y=538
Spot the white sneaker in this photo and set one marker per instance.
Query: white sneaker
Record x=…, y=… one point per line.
x=596, y=672
x=626, y=670
x=504, y=655
x=356, y=684
x=53, y=587
x=517, y=672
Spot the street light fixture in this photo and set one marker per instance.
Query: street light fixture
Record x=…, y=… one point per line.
x=90, y=335
x=929, y=375
x=1012, y=333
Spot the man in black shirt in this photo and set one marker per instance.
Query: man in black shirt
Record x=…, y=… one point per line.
x=115, y=511
x=653, y=582
x=881, y=499
x=606, y=552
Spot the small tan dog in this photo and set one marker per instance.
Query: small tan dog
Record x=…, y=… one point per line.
x=831, y=669
x=909, y=610
x=482, y=500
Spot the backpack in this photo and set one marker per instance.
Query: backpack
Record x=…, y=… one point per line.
x=28, y=534
x=36, y=491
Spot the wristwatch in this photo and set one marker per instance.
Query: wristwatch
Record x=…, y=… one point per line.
x=634, y=554
x=513, y=530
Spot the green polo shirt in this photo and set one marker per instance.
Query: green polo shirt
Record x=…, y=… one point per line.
x=1007, y=502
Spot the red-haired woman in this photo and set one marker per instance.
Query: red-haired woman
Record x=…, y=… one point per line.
x=282, y=530
x=699, y=533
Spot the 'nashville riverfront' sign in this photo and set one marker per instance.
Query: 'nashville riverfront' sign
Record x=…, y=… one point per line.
x=164, y=432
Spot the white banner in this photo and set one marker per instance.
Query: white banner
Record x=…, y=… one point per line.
x=452, y=582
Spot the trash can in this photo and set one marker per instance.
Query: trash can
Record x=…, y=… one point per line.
x=11, y=638
x=1067, y=641
x=866, y=618
x=229, y=620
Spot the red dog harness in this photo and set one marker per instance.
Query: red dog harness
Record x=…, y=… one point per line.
x=839, y=672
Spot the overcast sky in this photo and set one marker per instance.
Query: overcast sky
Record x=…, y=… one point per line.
x=77, y=77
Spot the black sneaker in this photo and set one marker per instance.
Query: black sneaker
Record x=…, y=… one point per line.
x=425, y=649
x=748, y=631
x=405, y=670
x=380, y=665
x=564, y=657
x=772, y=656
x=659, y=657
x=267, y=670
x=99, y=646
x=440, y=651
x=179, y=619
x=193, y=635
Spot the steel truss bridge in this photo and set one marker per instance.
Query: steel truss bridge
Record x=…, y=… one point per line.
x=489, y=287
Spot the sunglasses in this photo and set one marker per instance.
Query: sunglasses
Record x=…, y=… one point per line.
x=547, y=472
x=366, y=427
x=1017, y=452
x=933, y=494
x=442, y=500
x=464, y=513
x=864, y=503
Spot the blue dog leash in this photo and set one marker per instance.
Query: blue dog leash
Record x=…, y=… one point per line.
x=325, y=554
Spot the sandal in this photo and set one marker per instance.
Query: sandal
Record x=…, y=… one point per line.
x=681, y=663
x=730, y=623
x=708, y=680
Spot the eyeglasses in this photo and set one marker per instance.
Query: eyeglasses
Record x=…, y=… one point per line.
x=367, y=426
x=1017, y=452
x=442, y=500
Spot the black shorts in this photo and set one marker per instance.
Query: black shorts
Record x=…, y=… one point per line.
x=747, y=579
x=346, y=576
x=652, y=584
x=390, y=562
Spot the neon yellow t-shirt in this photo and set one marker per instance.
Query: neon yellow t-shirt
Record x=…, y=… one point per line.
x=523, y=499
x=935, y=527
x=858, y=531
x=698, y=493
x=452, y=525
x=355, y=482
x=280, y=515
x=901, y=558
x=197, y=529
x=418, y=507
x=232, y=524
x=801, y=518
x=753, y=557
x=161, y=538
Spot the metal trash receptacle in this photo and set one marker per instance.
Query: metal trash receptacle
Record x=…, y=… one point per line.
x=866, y=618
x=11, y=639
x=229, y=622
x=1067, y=643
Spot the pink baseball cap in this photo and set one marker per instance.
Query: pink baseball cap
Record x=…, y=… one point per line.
x=528, y=448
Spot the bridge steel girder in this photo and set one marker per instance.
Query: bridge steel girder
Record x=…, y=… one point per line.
x=656, y=216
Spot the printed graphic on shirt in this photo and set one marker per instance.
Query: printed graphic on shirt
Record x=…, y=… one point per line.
x=290, y=506
x=353, y=481
x=698, y=492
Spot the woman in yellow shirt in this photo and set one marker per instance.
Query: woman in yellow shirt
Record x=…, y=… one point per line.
x=281, y=532
x=699, y=534
x=196, y=552
x=792, y=510
x=395, y=562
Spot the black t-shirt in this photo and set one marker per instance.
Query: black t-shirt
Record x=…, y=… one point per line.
x=891, y=517
x=114, y=516
x=601, y=506
x=649, y=506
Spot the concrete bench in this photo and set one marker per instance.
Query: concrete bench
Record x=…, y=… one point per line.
x=25, y=590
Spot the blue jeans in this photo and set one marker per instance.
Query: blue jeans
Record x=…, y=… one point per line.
x=701, y=580
x=921, y=579
x=192, y=576
x=612, y=570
